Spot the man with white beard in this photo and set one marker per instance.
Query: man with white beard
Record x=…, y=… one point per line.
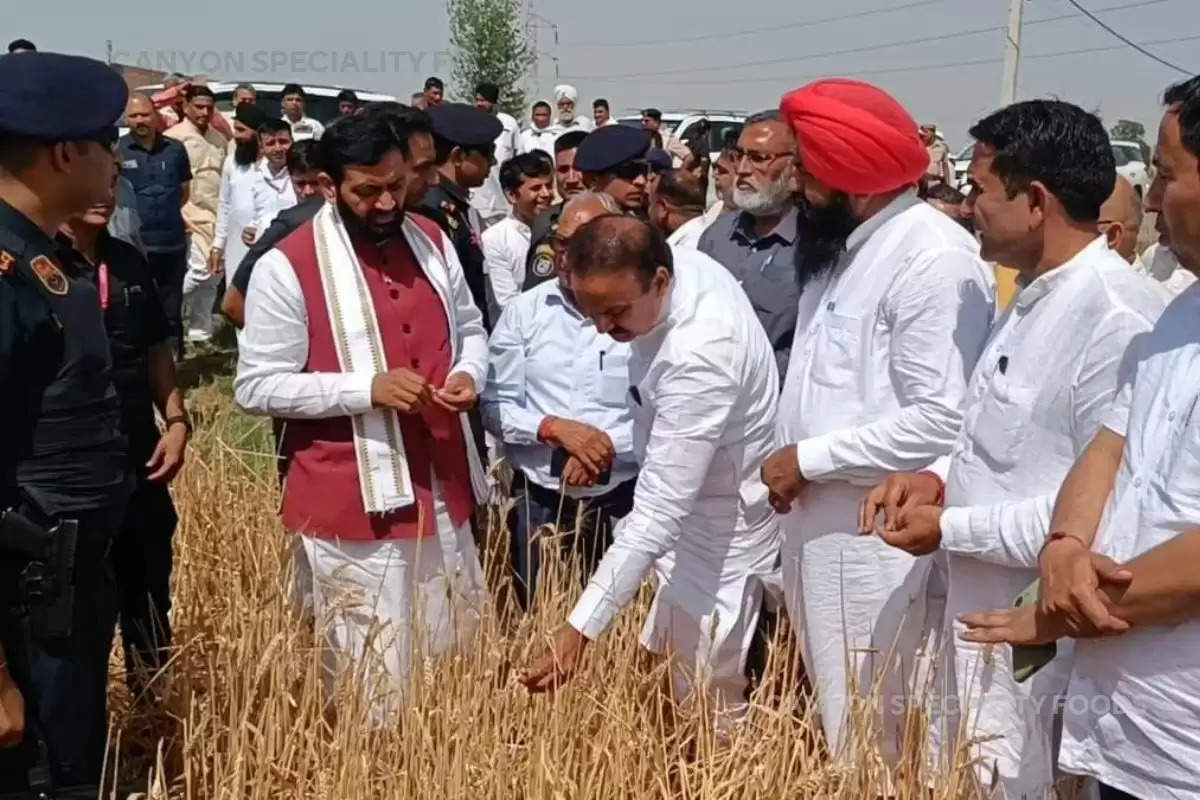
x=757, y=244
x=565, y=98
x=896, y=307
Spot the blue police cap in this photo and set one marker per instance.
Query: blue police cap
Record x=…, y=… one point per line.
x=659, y=160
x=56, y=97
x=464, y=125
x=611, y=146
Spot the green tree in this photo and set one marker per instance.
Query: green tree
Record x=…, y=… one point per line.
x=488, y=43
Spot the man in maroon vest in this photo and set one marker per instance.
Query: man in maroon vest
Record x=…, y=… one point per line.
x=362, y=335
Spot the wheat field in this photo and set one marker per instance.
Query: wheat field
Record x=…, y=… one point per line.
x=243, y=712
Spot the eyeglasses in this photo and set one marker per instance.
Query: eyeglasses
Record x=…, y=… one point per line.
x=631, y=170
x=757, y=160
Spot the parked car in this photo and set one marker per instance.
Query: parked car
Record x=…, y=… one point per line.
x=962, y=162
x=679, y=125
x=1131, y=165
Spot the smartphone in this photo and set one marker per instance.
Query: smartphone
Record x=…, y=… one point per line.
x=558, y=462
x=1029, y=659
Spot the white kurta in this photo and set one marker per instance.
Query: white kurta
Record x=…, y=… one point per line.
x=395, y=583
x=539, y=139
x=505, y=248
x=1039, y=394
x=703, y=398
x=688, y=234
x=236, y=212
x=1162, y=266
x=877, y=375
x=1132, y=715
x=489, y=199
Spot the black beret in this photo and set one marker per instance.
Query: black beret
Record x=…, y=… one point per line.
x=611, y=146
x=569, y=140
x=55, y=97
x=464, y=125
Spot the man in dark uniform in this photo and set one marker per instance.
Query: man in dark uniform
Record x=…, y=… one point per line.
x=144, y=375
x=63, y=458
x=539, y=264
x=464, y=142
x=613, y=161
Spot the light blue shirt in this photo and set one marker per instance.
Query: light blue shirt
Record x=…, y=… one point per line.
x=547, y=359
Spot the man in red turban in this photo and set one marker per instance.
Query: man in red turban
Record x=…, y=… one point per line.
x=895, y=310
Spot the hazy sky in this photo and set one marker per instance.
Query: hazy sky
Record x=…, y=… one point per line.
x=668, y=53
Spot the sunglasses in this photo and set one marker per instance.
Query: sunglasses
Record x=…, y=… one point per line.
x=631, y=170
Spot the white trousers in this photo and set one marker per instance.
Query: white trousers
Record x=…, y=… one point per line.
x=862, y=611
x=706, y=623
x=199, y=294
x=1012, y=726
x=382, y=603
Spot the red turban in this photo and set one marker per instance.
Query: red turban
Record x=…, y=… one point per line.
x=855, y=137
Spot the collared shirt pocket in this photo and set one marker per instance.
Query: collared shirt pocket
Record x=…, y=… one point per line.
x=614, y=379
x=837, y=352
x=1003, y=421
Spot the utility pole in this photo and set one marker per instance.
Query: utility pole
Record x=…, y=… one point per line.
x=108, y=51
x=1012, y=52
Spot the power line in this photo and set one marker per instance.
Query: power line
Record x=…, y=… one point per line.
x=808, y=23
x=925, y=67
x=1140, y=49
x=845, y=51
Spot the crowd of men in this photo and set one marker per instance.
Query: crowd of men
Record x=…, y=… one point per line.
x=807, y=395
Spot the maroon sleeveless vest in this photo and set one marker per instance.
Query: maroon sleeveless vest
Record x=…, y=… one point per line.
x=321, y=495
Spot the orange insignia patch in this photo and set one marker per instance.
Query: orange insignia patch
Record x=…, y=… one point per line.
x=50, y=275
x=6, y=262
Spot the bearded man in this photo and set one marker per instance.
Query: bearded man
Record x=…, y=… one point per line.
x=362, y=335
x=758, y=243
x=565, y=98
x=894, y=313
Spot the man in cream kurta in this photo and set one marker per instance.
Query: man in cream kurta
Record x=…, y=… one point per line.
x=703, y=389
x=888, y=332
x=206, y=154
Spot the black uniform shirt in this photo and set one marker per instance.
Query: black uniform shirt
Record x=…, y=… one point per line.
x=60, y=436
x=135, y=321
x=539, y=263
x=447, y=204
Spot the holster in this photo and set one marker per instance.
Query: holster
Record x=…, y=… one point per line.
x=42, y=554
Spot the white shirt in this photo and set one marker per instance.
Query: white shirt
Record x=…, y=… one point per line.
x=703, y=396
x=236, y=211
x=273, y=347
x=505, y=246
x=539, y=139
x=714, y=211
x=1040, y=391
x=547, y=359
x=305, y=128
x=1162, y=265
x=688, y=234
x=489, y=199
x=1132, y=719
x=885, y=343
x=577, y=124
x=272, y=194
